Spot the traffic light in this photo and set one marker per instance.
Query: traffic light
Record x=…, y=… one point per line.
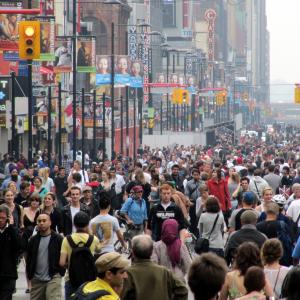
x=185, y=97
x=221, y=98
x=29, y=40
x=297, y=93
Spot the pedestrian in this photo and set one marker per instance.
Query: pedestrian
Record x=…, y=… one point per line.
x=248, y=232
x=79, y=263
x=61, y=186
x=89, y=200
x=218, y=187
x=144, y=273
x=271, y=253
x=162, y=211
x=247, y=255
x=111, y=272
x=211, y=226
x=105, y=227
x=202, y=270
x=290, y=288
x=135, y=211
x=70, y=210
x=9, y=248
x=254, y=283
x=170, y=251
x=42, y=261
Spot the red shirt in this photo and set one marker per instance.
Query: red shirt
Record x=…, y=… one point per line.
x=220, y=190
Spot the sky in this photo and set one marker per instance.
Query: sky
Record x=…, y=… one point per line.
x=283, y=19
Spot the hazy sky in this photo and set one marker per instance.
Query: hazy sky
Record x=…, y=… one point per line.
x=284, y=26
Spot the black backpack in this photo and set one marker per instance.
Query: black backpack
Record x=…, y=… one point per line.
x=80, y=295
x=82, y=264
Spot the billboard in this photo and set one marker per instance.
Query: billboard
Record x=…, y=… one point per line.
x=47, y=38
x=86, y=54
x=103, y=68
x=63, y=54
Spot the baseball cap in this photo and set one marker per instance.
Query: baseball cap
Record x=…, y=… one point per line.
x=249, y=198
x=86, y=188
x=137, y=188
x=111, y=260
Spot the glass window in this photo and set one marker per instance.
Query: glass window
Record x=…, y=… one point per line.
x=169, y=13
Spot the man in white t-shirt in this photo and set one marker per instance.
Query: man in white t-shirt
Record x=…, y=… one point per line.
x=105, y=226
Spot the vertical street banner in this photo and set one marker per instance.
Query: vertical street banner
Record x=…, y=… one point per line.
x=48, y=7
x=47, y=38
x=145, y=40
x=63, y=54
x=5, y=85
x=122, y=70
x=132, y=43
x=136, y=74
x=103, y=67
x=9, y=26
x=86, y=54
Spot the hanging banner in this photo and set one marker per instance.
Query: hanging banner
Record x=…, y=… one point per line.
x=63, y=54
x=136, y=72
x=86, y=54
x=47, y=38
x=191, y=84
x=160, y=78
x=103, y=67
x=122, y=69
x=132, y=43
x=9, y=34
x=48, y=7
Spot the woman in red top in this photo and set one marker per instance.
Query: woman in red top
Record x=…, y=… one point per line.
x=218, y=187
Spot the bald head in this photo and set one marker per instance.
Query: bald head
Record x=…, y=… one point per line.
x=142, y=246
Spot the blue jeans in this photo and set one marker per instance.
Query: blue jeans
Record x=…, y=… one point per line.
x=69, y=290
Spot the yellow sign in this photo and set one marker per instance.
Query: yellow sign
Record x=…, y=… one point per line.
x=180, y=96
x=297, y=94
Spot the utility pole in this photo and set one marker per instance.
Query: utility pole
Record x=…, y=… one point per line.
x=112, y=92
x=74, y=78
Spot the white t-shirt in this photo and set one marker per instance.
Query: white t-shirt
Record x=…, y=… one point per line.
x=294, y=210
x=84, y=179
x=74, y=211
x=104, y=227
x=48, y=184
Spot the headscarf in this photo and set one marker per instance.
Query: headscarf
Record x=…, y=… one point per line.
x=169, y=236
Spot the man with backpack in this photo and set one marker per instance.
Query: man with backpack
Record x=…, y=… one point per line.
x=110, y=278
x=76, y=255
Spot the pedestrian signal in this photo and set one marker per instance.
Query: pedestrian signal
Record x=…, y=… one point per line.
x=297, y=94
x=29, y=40
x=221, y=98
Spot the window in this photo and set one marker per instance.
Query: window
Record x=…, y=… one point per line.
x=169, y=13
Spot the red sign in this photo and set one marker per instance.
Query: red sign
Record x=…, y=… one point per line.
x=210, y=17
x=49, y=8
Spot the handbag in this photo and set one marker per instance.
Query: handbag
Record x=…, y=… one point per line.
x=202, y=244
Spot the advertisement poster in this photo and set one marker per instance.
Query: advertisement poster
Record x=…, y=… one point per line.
x=86, y=54
x=160, y=78
x=103, y=67
x=136, y=72
x=191, y=84
x=122, y=70
x=47, y=38
x=63, y=54
x=9, y=32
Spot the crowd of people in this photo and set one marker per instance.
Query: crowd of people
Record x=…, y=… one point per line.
x=238, y=204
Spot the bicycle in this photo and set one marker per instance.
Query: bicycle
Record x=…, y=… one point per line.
x=127, y=235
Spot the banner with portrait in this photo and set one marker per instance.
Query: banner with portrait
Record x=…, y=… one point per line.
x=103, y=70
x=9, y=33
x=122, y=70
x=191, y=83
x=160, y=78
x=86, y=54
x=136, y=74
x=63, y=54
x=47, y=37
